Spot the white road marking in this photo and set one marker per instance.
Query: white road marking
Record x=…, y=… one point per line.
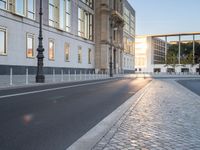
x=52, y=89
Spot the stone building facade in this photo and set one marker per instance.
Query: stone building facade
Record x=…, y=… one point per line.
x=81, y=35
x=110, y=32
x=68, y=35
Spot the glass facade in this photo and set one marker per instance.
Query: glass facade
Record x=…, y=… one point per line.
x=126, y=19
x=129, y=19
x=129, y=30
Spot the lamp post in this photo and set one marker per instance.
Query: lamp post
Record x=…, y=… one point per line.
x=40, y=78
x=111, y=42
x=199, y=66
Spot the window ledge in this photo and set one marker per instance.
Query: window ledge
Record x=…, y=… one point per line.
x=3, y=54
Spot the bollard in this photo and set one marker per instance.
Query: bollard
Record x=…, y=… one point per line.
x=62, y=79
x=26, y=76
x=53, y=75
x=69, y=77
x=85, y=75
x=11, y=77
x=80, y=75
x=75, y=75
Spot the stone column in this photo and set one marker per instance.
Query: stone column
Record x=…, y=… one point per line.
x=179, y=50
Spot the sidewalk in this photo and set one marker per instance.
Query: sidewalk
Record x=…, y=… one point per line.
x=7, y=81
x=166, y=117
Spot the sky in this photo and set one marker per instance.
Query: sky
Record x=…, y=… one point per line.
x=166, y=16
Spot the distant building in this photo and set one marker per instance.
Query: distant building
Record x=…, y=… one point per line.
x=156, y=53
x=129, y=37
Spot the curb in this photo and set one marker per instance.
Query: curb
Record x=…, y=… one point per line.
x=89, y=140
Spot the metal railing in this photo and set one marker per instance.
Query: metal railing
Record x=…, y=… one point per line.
x=27, y=78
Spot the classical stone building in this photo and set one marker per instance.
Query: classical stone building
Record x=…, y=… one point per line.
x=110, y=31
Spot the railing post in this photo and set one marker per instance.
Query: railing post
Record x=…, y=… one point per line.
x=69, y=77
x=80, y=75
x=85, y=75
x=11, y=76
x=62, y=79
x=54, y=75
x=75, y=75
x=26, y=76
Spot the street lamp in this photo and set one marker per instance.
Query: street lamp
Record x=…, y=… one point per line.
x=40, y=78
x=111, y=43
x=112, y=28
x=199, y=66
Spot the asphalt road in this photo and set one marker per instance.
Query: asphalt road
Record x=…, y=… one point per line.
x=193, y=85
x=52, y=117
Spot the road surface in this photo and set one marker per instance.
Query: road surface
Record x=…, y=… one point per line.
x=193, y=85
x=52, y=117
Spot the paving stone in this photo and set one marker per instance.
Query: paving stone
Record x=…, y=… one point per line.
x=166, y=118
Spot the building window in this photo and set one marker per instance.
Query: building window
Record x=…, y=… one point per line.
x=89, y=3
x=89, y=56
x=3, y=45
x=65, y=15
x=24, y=8
x=79, y=55
x=132, y=25
x=68, y=15
x=85, y=24
x=66, y=52
x=126, y=19
x=3, y=4
x=30, y=46
x=53, y=13
x=31, y=9
x=20, y=7
x=81, y=22
x=51, y=50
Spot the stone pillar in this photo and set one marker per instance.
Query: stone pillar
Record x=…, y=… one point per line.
x=165, y=49
x=193, y=49
x=179, y=50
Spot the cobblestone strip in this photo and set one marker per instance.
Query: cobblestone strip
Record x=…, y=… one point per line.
x=167, y=117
